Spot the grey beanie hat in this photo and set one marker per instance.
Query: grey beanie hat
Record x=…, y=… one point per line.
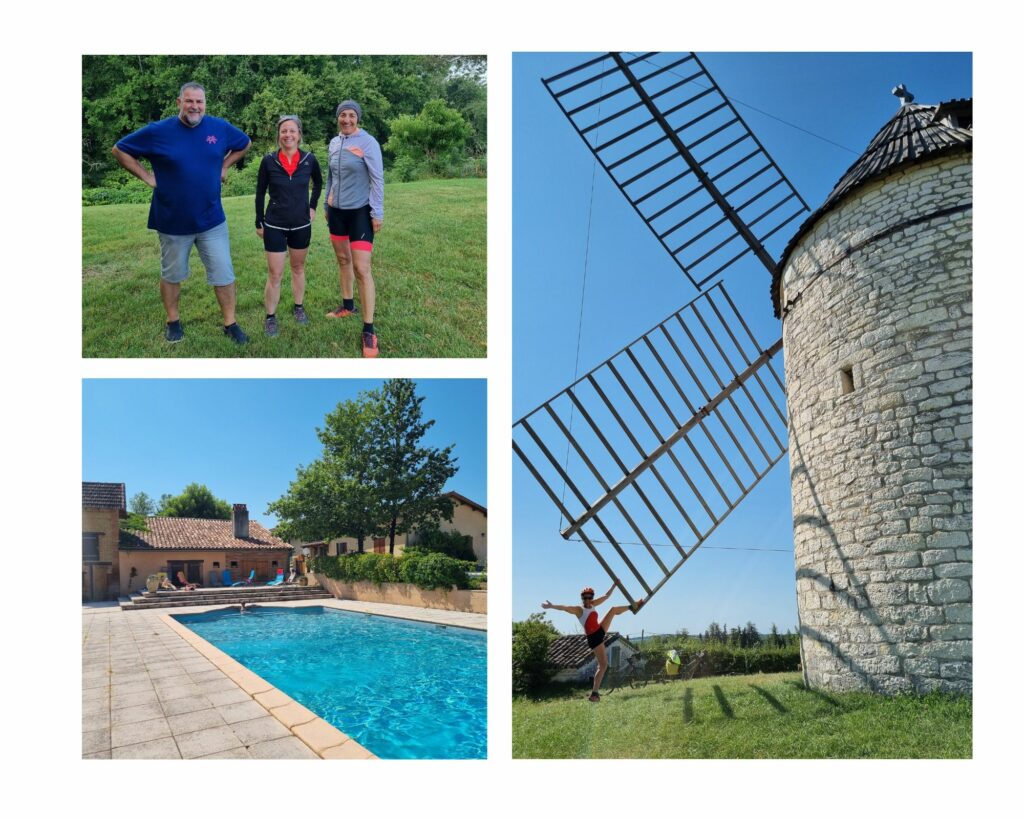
x=349, y=104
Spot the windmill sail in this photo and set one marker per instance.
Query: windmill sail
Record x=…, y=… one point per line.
x=681, y=155
x=657, y=445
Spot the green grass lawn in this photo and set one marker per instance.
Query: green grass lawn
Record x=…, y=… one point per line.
x=429, y=265
x=764, y=716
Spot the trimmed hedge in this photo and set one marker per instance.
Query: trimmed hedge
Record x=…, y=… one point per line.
x=427, y=571
x=720, y=659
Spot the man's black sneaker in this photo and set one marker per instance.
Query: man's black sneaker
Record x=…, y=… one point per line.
x=270, y=325
x=173, y=332
x=234, y=332
x=300, y=314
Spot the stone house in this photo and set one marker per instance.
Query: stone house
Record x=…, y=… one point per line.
x=576, y=662
x=469, y=518
x=103, y=506
x=202, y=550
x=875, y=295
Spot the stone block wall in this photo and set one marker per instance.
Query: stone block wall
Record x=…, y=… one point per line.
x=881, y=475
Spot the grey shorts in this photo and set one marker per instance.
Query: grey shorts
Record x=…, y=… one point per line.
x=214, y=250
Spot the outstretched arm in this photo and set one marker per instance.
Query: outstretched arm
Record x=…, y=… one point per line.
x=605, y=596
x=547, y=604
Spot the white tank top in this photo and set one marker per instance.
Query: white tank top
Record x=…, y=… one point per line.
x=588, y=619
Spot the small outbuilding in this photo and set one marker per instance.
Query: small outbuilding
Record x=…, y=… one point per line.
x=575, y=661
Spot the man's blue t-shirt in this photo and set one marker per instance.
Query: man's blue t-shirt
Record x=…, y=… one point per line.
x=186, y=163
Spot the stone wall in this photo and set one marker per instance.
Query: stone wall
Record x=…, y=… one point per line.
x=881, y=475
x=406, y=594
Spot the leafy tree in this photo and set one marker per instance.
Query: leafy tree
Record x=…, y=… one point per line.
x=531, y=639
x=409, y=477
x=142, y=504
x=197, y=501
x=454, y=544
x=437, y=132
x=333, y=496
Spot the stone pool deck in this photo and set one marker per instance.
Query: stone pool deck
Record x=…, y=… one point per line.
x=151, y=689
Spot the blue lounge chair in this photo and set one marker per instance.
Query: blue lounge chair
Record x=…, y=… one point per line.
x=277, y=581
x=247, y=581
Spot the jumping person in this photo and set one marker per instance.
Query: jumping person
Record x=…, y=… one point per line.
x=287, y=224
x=594, y=629
x=190, y=154
x=355, y=212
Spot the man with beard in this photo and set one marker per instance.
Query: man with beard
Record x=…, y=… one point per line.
x=190, y=154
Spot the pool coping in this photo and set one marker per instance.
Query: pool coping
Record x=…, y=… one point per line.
x=324, y=739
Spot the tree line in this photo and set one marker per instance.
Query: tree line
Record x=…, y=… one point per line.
x=425, y=110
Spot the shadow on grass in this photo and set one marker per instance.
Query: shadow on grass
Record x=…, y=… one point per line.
x=688, y=705
x=723, y=703
x=821, y=695
x=774, y=703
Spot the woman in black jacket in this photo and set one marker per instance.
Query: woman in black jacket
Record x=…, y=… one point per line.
x=288, y=222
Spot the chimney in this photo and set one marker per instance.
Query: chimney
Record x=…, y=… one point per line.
x=240, y=519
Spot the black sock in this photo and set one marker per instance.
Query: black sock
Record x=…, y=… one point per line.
x=229, y=326
x=297, y=306
x=367, y=328
x=270, y=315
x=348, y=304
x=174, y=323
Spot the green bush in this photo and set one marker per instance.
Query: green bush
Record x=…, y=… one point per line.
x=453, y=544
x=721, y=658
x=428, y=571
x=531, y=668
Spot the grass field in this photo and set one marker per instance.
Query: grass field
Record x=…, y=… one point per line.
x=429, y=265
x=765, y=716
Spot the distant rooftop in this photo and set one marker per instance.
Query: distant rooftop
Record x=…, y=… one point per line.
x=103, y=496
x=200, y=533
x=571, y=650
x=914, y=133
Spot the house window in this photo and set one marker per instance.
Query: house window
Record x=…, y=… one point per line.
x=234, y=564
x=273, y=564
x=378, y=545
x=613, y=659
x=343, y=548
x=90, y=547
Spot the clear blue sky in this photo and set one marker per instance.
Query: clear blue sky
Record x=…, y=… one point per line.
x=244, y=438
x=631, y=285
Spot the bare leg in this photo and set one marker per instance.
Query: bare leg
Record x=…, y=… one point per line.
x=226, y=299
x=346, y=276
x=170, y=294
x=297, y=260
x=606, y=623
x=367, y=290
x=602, y=665
x=272, y=291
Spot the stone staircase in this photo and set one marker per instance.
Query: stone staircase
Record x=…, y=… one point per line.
x=222, y=596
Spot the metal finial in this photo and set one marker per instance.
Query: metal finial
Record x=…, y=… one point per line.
x=905, y=96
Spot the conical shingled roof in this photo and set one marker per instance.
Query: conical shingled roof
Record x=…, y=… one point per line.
x=912, y=135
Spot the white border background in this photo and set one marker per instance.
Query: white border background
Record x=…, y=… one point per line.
x=43, y=369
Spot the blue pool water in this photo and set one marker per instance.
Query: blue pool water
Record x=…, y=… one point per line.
x=403, y=690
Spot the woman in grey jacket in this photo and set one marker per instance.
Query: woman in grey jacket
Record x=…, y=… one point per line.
x=355, y=213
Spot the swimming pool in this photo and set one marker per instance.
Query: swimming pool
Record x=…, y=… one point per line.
x=402, y=689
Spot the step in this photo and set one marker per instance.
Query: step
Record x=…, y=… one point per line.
x=225, y=597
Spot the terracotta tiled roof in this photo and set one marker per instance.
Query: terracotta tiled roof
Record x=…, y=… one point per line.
x=197, y=533
x=103, y=495
x=913, y=135
x=572, y=651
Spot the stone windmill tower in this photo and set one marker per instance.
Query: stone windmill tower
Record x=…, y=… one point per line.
x=875, y=293
x=668, y=436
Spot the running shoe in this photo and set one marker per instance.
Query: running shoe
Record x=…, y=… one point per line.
x=369, y=345
x=300, y=314
x=174, y=332
x=234, y=332
x=270, y=325
x=341, y=312
x=594, y=697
